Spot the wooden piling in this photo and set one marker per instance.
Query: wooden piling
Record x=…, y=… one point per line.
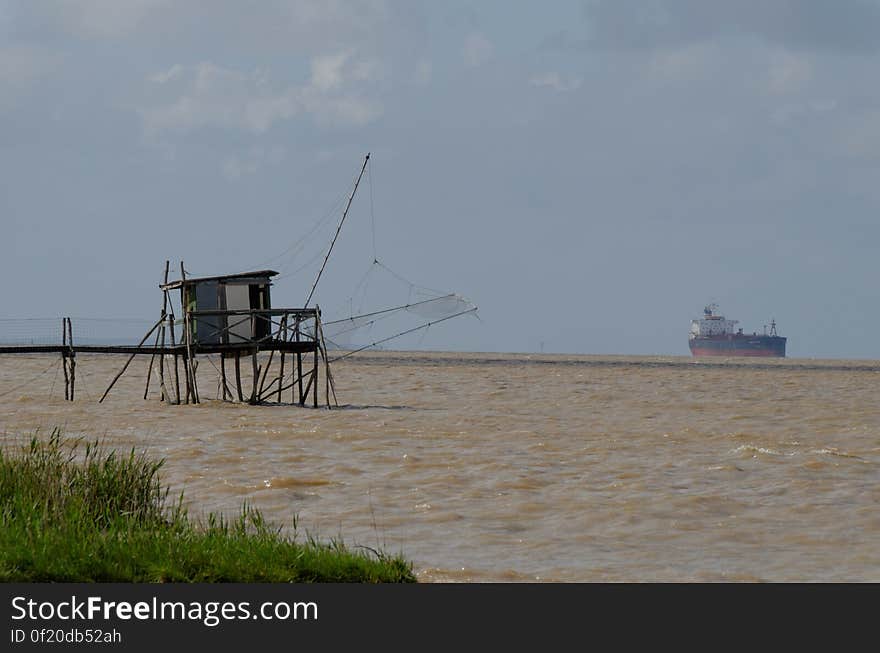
x=265, y=372
x=223, y=374
x=256, y=366
x=163, y=395
x=315, y=371
x=282, y=332
x=238, y=376
x=174, y=347
x=124, y=367
x=191, y=387
x=72, y=359
x=319, y=344
x=64, y=358
x=299, y=365
x=152, y=359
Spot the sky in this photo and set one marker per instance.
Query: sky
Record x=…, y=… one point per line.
x=591, y=174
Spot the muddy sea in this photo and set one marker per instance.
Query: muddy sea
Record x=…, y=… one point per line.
x=520, y=468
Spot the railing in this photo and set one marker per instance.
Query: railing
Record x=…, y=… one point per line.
x=254, y=327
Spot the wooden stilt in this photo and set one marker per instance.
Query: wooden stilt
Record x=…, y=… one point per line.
x=315, y=371
x=72, y=359
x=319, y=344
x=238, y=376
x=163, y=391
x=283, y=338
x=124, y=367
x=64, y=358
x=223, y=374
x=191, y=388
x=253, y=399
x=299, y=364
x=152, y=360
x=308, y=386
x=195, y=384
x=328, y=376
x=174, y=347
x=266, y=371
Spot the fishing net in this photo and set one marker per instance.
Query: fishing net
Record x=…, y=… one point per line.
x=86, y=331
x=384, y=306
x=371, y=318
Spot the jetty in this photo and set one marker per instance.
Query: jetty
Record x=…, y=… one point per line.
x=230, y=315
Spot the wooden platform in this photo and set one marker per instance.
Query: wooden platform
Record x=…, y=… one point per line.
x=289, y=347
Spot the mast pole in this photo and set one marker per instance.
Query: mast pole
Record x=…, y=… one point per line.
x=338, y=229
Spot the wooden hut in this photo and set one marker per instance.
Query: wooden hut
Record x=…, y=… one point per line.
x=229, y=294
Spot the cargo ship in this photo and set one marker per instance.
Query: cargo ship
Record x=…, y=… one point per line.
x=715, y=335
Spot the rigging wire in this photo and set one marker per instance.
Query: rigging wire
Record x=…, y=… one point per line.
x=388, y=310
x=31, y=380
x=412, y=285
x=354, y=323
x=54, y=378
x=402, y=333
x=297, y=245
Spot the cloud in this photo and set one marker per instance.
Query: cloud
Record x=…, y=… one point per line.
x=791, y=114
x=844, y=25
x=477, y=50
x=556, y=82
x=20, y=64
x=789, y=72
x=423, y=72
x=234, y=167
x=293, y=26
x=327, y=71
x=100, y=18
x=22, y=67
x=686, y=63
x=187, y=98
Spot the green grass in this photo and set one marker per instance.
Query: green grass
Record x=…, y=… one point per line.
x=72, y=511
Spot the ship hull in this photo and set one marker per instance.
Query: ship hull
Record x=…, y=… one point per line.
x=738, y=345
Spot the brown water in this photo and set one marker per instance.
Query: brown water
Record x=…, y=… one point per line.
x=493, y=467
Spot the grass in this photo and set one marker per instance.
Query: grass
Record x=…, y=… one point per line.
x=73, y=511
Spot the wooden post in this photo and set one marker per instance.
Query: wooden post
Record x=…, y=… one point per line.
x=319, y=342
x=254, y=390
x=315, y=367
x=124, y=367
x=299, y=364
x=152, y=359
x=238, y=375
x=308, y=387
x=328, y=376
x=256, y=367
x=72, y=358
x=163, y=395
x=64, y=358
x=282, y=332
x=191, y=387
x=223, y=373
x=266, y=371
x=163, y=390
x=174, y=347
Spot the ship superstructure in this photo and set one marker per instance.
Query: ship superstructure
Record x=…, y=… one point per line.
x=715, y=335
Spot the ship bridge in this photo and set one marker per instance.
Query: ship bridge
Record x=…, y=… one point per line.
x=712, y=324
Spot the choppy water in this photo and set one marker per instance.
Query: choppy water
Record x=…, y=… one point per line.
x=492, y=467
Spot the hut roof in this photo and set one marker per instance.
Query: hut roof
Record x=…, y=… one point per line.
x=171, y=285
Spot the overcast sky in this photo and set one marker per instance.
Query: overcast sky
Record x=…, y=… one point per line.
x=590, y=173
